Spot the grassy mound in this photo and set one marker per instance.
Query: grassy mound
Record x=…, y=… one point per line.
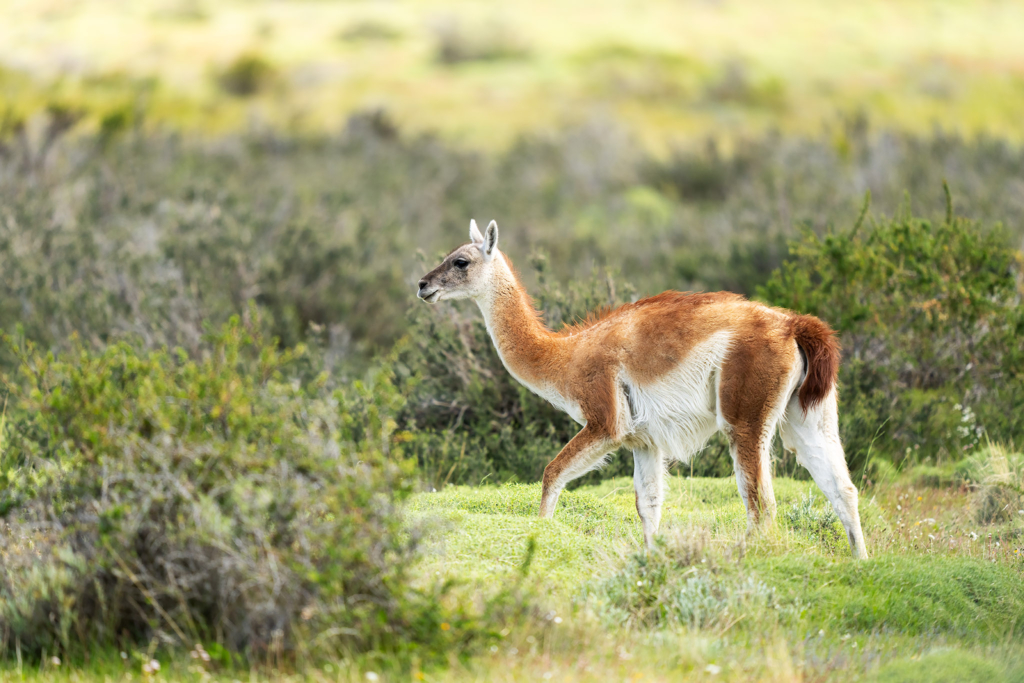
x=939, y=581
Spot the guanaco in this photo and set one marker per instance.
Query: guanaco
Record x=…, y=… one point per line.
x=662, y=375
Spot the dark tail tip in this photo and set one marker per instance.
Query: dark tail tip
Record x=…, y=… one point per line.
x=821, y=347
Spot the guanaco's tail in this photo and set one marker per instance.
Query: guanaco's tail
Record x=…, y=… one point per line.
x=821, y=349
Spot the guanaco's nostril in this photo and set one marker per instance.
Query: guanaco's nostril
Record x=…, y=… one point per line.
x=423, y=283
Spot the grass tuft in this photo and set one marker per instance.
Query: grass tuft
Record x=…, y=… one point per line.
x=1000, y=491
x=818, y=521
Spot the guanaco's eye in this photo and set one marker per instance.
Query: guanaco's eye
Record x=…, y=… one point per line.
x=461, y=263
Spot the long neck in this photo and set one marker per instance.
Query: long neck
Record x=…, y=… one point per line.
x=529, y=350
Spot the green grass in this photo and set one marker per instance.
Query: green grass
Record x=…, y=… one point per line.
x=941, y=667
x=489, y=526
x=959, y=598
x=929, y=583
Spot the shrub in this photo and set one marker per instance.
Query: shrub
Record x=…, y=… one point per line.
x=369, y=30
x=930, y=319
x=150, y=495
x=247, y=75
x=704, y=176
x=735, y=86
x=457, y=44
x=818, y=522
x=675, y=585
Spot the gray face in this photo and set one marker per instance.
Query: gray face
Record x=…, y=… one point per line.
x=454, y=277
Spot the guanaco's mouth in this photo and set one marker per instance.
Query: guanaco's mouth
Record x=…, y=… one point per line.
x=432, y=297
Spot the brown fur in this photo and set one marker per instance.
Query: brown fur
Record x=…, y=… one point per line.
x=651, y=336
x=822, y=350
x=753, y=378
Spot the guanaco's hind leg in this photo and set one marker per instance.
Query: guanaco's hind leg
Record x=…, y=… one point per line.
x=752, y=461
x=815, y=438
x=649, y=483
x=583, y=453
x=754, y=388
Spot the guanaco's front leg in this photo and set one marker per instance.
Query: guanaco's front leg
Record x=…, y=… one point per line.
x=579, y=456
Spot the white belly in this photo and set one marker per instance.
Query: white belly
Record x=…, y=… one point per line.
x=677, y=414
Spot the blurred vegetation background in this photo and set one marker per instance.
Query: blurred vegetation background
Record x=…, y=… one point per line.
x=483, y=74
x=213, y=214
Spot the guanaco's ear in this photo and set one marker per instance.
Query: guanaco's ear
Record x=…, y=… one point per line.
x=491, y=238
x=474, y=233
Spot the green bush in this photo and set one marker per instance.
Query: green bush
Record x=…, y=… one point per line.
x=457, y=44
x=247, y=75
x=930, y=319
x=679, y=584
x=369, y=30
x=216, y=499
x=699, y=176
x=819, y=522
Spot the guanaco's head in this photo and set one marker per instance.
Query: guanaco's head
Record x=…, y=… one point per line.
x=466, y=272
